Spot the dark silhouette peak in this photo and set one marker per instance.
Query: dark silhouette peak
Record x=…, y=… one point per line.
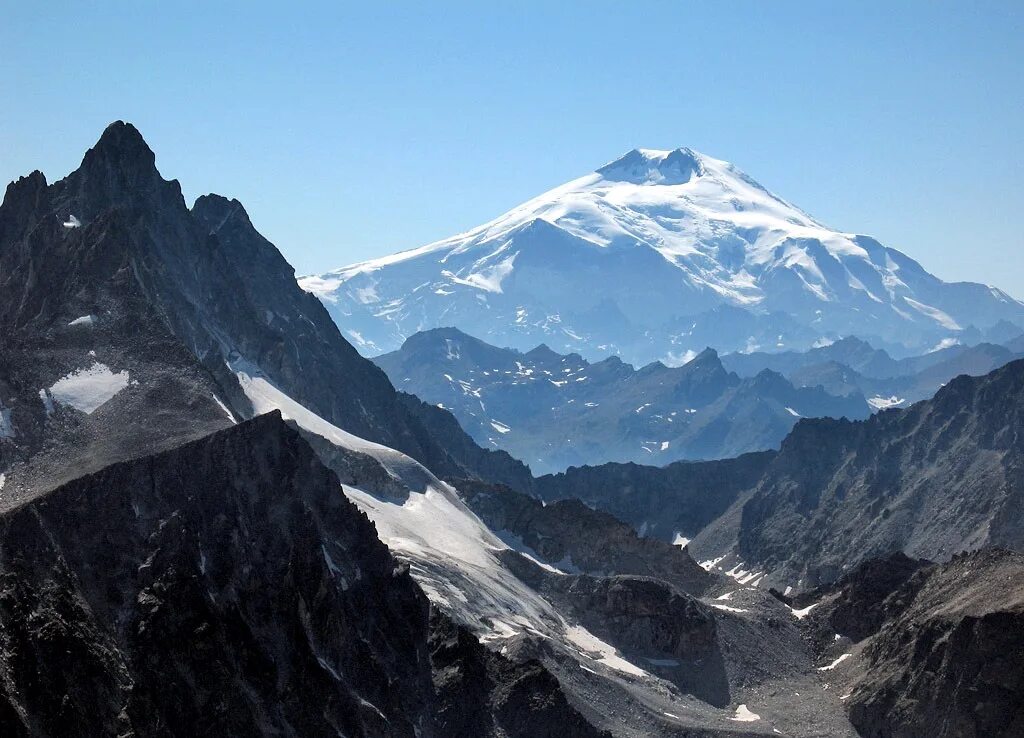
x=542, y=352
x=24, y=202
x=215, y=210
x=121, y=143
x=24, y=189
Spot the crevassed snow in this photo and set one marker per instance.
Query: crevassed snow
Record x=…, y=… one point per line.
x=88, y=389
x=835, y=663
x=744, y=715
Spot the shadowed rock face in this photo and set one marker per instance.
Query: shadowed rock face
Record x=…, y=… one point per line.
x=226, y=586
x=941, y=645
x=481, y=693
x=229, y=587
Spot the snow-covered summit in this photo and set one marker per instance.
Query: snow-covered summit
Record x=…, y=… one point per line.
x=630, y=257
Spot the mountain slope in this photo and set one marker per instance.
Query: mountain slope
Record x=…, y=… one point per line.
x=636, y=257
x=938, y=478
x=556, y=411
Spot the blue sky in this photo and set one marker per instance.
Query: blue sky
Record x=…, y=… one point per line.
x=356, y=130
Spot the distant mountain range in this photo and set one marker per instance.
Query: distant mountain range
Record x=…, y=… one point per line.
x=653, y=257
x=553, y=411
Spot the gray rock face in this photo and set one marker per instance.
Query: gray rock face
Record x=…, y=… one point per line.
x=940, y=477
x=939, y=651
x=229, y=587
x=554, y=411
x=950, y=662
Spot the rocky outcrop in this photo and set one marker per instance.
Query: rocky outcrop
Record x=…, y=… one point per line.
x=948, y=661
x=570, y=534
x=481, y=693
x=224, y=586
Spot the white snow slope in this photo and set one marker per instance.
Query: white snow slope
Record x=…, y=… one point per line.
x=632, y=257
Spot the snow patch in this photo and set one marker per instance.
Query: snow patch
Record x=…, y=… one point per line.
x=744, y=715
x=802, y=613
x=86, y=320
x=881, y=403
x=225, y=409
x=727, y=608
x=835, y=663
x=88, y=389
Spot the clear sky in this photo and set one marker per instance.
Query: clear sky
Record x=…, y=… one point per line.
x=356, y=130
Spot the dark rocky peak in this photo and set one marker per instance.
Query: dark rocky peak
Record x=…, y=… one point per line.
x=120, y=170
x=702, y=379
x=770, y=383
x=216, y=210
x=543, y=353
x=449, y=347
x=25, y=202
x=706, y=360
x=244, y=247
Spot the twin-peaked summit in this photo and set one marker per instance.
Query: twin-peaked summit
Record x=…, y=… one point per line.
x=654, y=255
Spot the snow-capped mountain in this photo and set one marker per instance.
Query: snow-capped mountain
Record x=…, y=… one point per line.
x=653, y=256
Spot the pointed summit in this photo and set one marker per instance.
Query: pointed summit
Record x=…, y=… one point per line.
x=121, y=166
x=123, y=143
